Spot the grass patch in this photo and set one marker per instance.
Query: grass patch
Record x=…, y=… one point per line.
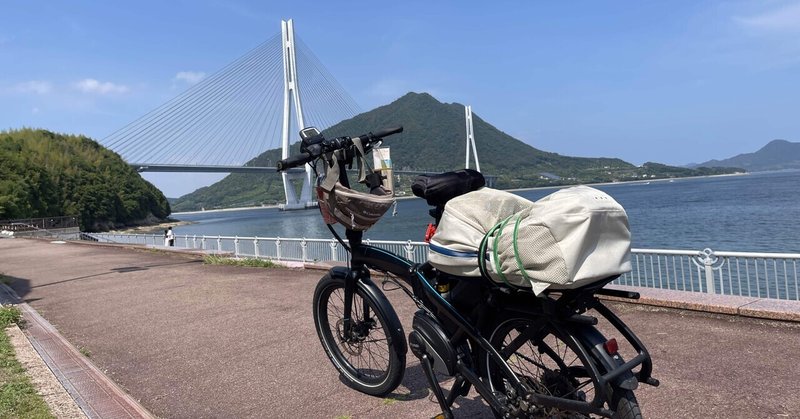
x=85, y=352
x=250, y=262
x=8, y=315
x=18, y=397
x=388, y=401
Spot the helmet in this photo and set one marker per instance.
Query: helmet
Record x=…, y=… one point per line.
x=355, y=210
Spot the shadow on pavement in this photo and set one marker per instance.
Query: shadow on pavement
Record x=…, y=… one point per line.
x=21, y=286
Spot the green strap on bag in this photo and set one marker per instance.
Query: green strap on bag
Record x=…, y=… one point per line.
x=482, y=251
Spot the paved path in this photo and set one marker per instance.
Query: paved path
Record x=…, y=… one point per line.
x=195, y=341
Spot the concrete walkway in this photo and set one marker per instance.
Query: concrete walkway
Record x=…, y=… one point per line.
x=188, y=340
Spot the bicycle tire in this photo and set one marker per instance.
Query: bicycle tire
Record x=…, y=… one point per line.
x=551, y=366
x=383, y=368
x=626, y=405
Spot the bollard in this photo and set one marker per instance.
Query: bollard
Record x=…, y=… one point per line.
x=409, y=251
x=278, y=247
x=334, y=244
x=706, y=259
x=255, y=247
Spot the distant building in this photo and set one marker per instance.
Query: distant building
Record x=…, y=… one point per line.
x=547, y=175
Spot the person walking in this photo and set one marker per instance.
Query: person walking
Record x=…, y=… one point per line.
x=170, y=237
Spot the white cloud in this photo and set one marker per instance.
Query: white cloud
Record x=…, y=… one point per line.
x=786, y=18
x=190, y=77
x=34, y=86
x=103, y=88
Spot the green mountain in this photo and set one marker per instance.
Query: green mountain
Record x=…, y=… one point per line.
x=776, y=155
x=433, y=139
x=43, y=174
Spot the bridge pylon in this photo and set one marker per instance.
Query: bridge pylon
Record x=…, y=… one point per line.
x=470, y=138
x=291, y=95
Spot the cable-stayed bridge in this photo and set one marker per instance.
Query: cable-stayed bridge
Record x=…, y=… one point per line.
x=223, y=122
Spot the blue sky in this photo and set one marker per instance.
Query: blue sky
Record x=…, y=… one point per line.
x=667, y=81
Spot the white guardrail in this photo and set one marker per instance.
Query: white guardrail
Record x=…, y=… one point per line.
x=763, y=275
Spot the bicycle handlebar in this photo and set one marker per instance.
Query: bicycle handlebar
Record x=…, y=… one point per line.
x=384, y=132
x=334, y=144
x=294, y=161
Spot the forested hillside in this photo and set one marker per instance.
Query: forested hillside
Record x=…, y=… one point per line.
x=43, y=174
x=434, y=139
x=776, y=155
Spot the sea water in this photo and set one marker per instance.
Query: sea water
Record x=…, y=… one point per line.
x=757, y=212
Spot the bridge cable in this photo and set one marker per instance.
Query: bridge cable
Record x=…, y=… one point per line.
x=122, y=137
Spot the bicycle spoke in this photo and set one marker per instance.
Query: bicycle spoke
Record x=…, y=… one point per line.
x=543, y=361
x=366, y=347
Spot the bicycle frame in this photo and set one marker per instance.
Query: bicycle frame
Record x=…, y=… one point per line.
x=365, y=256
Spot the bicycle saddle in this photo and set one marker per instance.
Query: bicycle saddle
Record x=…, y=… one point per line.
x=440, y=188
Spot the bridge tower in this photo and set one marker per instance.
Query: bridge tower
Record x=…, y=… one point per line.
x=470, y=138
x=291, y=95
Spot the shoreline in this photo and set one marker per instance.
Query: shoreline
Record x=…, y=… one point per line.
x=628, y=182
x=148, y=229
x=225, y=209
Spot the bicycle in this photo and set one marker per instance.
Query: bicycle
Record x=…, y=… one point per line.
x=525, y=355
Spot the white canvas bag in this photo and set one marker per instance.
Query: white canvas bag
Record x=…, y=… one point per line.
x=567, y=239
x=465, y=221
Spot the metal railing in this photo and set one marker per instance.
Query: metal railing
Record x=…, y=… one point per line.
x=46, y=223
x=65, y=228
x=763, y=275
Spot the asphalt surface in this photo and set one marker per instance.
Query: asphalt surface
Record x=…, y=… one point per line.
x=197, y=341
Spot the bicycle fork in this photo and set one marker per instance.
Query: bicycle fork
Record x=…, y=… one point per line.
x=352, y=330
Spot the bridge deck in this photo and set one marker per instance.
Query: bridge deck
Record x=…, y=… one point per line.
x=148, y=167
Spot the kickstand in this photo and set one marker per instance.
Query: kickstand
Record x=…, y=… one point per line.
x=427, y=366
x=460, y=388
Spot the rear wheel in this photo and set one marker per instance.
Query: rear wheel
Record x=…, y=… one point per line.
x=548, y=363
x=627, y=407
x=369, y=357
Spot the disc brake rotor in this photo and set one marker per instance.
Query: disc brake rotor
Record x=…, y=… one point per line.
x=350, y=345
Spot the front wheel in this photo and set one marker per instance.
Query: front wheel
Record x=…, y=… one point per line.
x=371, y=357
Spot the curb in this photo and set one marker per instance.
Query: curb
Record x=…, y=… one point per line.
x=95, y=394
x=759, y=308
x=61, y=404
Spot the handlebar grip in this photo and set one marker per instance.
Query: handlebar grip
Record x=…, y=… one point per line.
x=294, y=161
x=387, y=132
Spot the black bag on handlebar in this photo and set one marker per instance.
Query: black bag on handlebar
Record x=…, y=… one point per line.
x=438, y=189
